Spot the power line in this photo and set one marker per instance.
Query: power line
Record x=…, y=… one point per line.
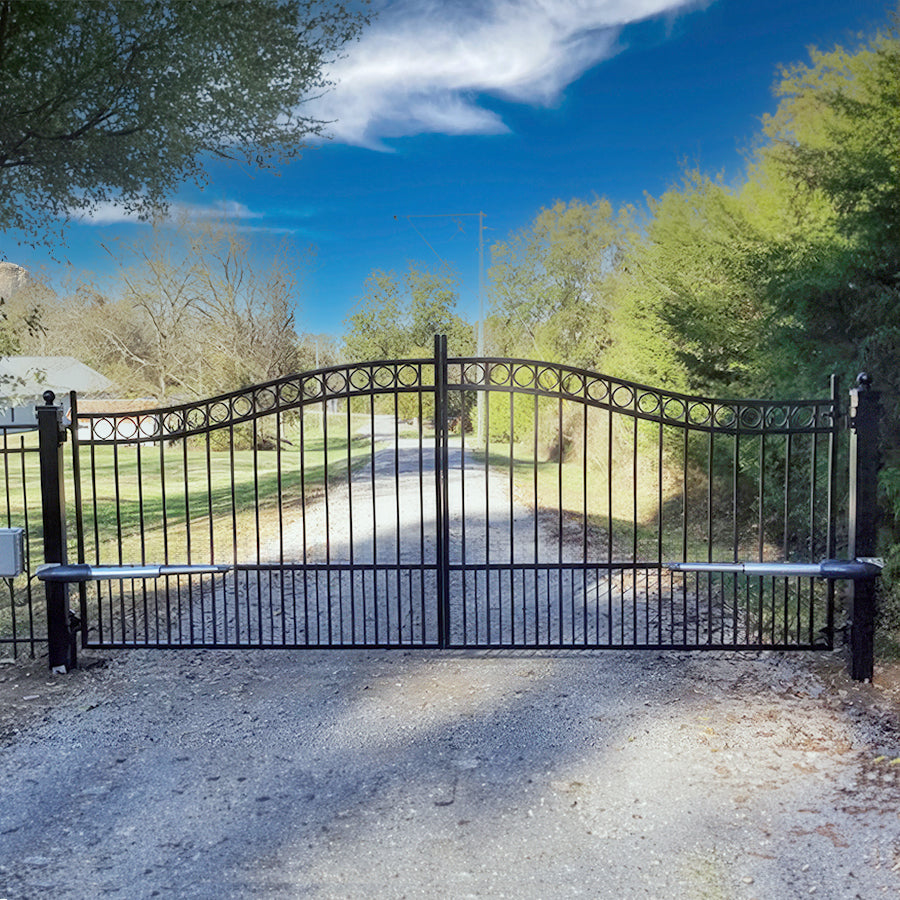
x=481, y=217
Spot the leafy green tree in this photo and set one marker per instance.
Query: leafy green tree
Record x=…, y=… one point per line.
x=768, y=286
x=831, y=149
x=689, y=311
x=374, y=330
x=834, y=141
x=104, y=101
x=398, y=318
x=551, y=283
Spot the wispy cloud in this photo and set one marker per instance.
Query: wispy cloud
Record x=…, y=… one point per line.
x=423, y=63
x=110, y=213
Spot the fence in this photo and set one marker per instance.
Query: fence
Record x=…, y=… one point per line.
x=345, y=527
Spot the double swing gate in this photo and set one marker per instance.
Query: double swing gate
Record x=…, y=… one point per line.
x=457, y=503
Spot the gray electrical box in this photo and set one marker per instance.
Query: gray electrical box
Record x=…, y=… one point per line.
x=12, y=552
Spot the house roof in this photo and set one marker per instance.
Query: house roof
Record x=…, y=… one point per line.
x=27, y=377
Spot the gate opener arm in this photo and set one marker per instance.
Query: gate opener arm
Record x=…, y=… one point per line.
x=834, y=569
x=79, y=572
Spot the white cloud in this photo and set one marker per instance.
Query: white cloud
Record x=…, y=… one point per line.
x=110, y=213
x=422, y=64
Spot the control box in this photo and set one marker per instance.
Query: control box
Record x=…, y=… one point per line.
x=12, y=552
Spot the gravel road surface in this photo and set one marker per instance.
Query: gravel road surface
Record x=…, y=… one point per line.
x=211, y=774
x=407, y=774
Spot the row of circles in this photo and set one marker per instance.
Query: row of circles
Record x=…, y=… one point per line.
x=256, y=401
x=630, y=398
x=579, y=386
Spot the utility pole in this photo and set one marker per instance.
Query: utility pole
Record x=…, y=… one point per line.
x=480, y=340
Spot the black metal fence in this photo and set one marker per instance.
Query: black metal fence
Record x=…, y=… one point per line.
x=23, y=625
x=459, y=502
x=604, y=481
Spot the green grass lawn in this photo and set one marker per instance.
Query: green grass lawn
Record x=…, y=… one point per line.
x=200, y=504
x=182, y=502
x=641, y=504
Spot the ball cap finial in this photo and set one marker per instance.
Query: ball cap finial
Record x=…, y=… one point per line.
x=49, y=397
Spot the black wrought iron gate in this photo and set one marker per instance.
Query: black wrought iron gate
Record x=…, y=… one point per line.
x=457, y=502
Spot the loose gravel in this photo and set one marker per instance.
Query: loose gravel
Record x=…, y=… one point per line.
x=211, y=774
x=407, y=774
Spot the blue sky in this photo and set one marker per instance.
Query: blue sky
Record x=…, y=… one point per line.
x=445, y=109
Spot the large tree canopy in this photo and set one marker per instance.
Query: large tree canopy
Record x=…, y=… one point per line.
x=768, y=285
x=398, y=317
x=552, y=285
x=122, y=101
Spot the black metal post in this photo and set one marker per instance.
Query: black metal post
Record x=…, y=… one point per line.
x=441, y=462
x=865, y=411
x=51, y=436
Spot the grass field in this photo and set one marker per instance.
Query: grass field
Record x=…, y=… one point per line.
x=631, y=508
x=190, y=502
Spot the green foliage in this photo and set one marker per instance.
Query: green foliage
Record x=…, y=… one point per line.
x=889, y=485
x=889, y=586
x=834, y=257
x=397, y=318
x=375, y=330
x=123, y=101
x=552, y=283
x=770, y=285
x=834, y=142
x=510, y=416
x=689, y=287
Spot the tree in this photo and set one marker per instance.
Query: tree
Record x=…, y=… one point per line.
x=246, y=311
x=375, y=330
x=194, y=315
x=104, y=101
x=398, y=318
x=551, y=282
x=774, y=283
x=832, y=150
x=692, y=287
x=19, y=301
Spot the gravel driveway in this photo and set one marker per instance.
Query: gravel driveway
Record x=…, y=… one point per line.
x=411, y=774
x=369, y=773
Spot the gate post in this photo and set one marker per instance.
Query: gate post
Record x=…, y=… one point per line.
x=51, y=436
x=441, y=466
x=863, y=515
